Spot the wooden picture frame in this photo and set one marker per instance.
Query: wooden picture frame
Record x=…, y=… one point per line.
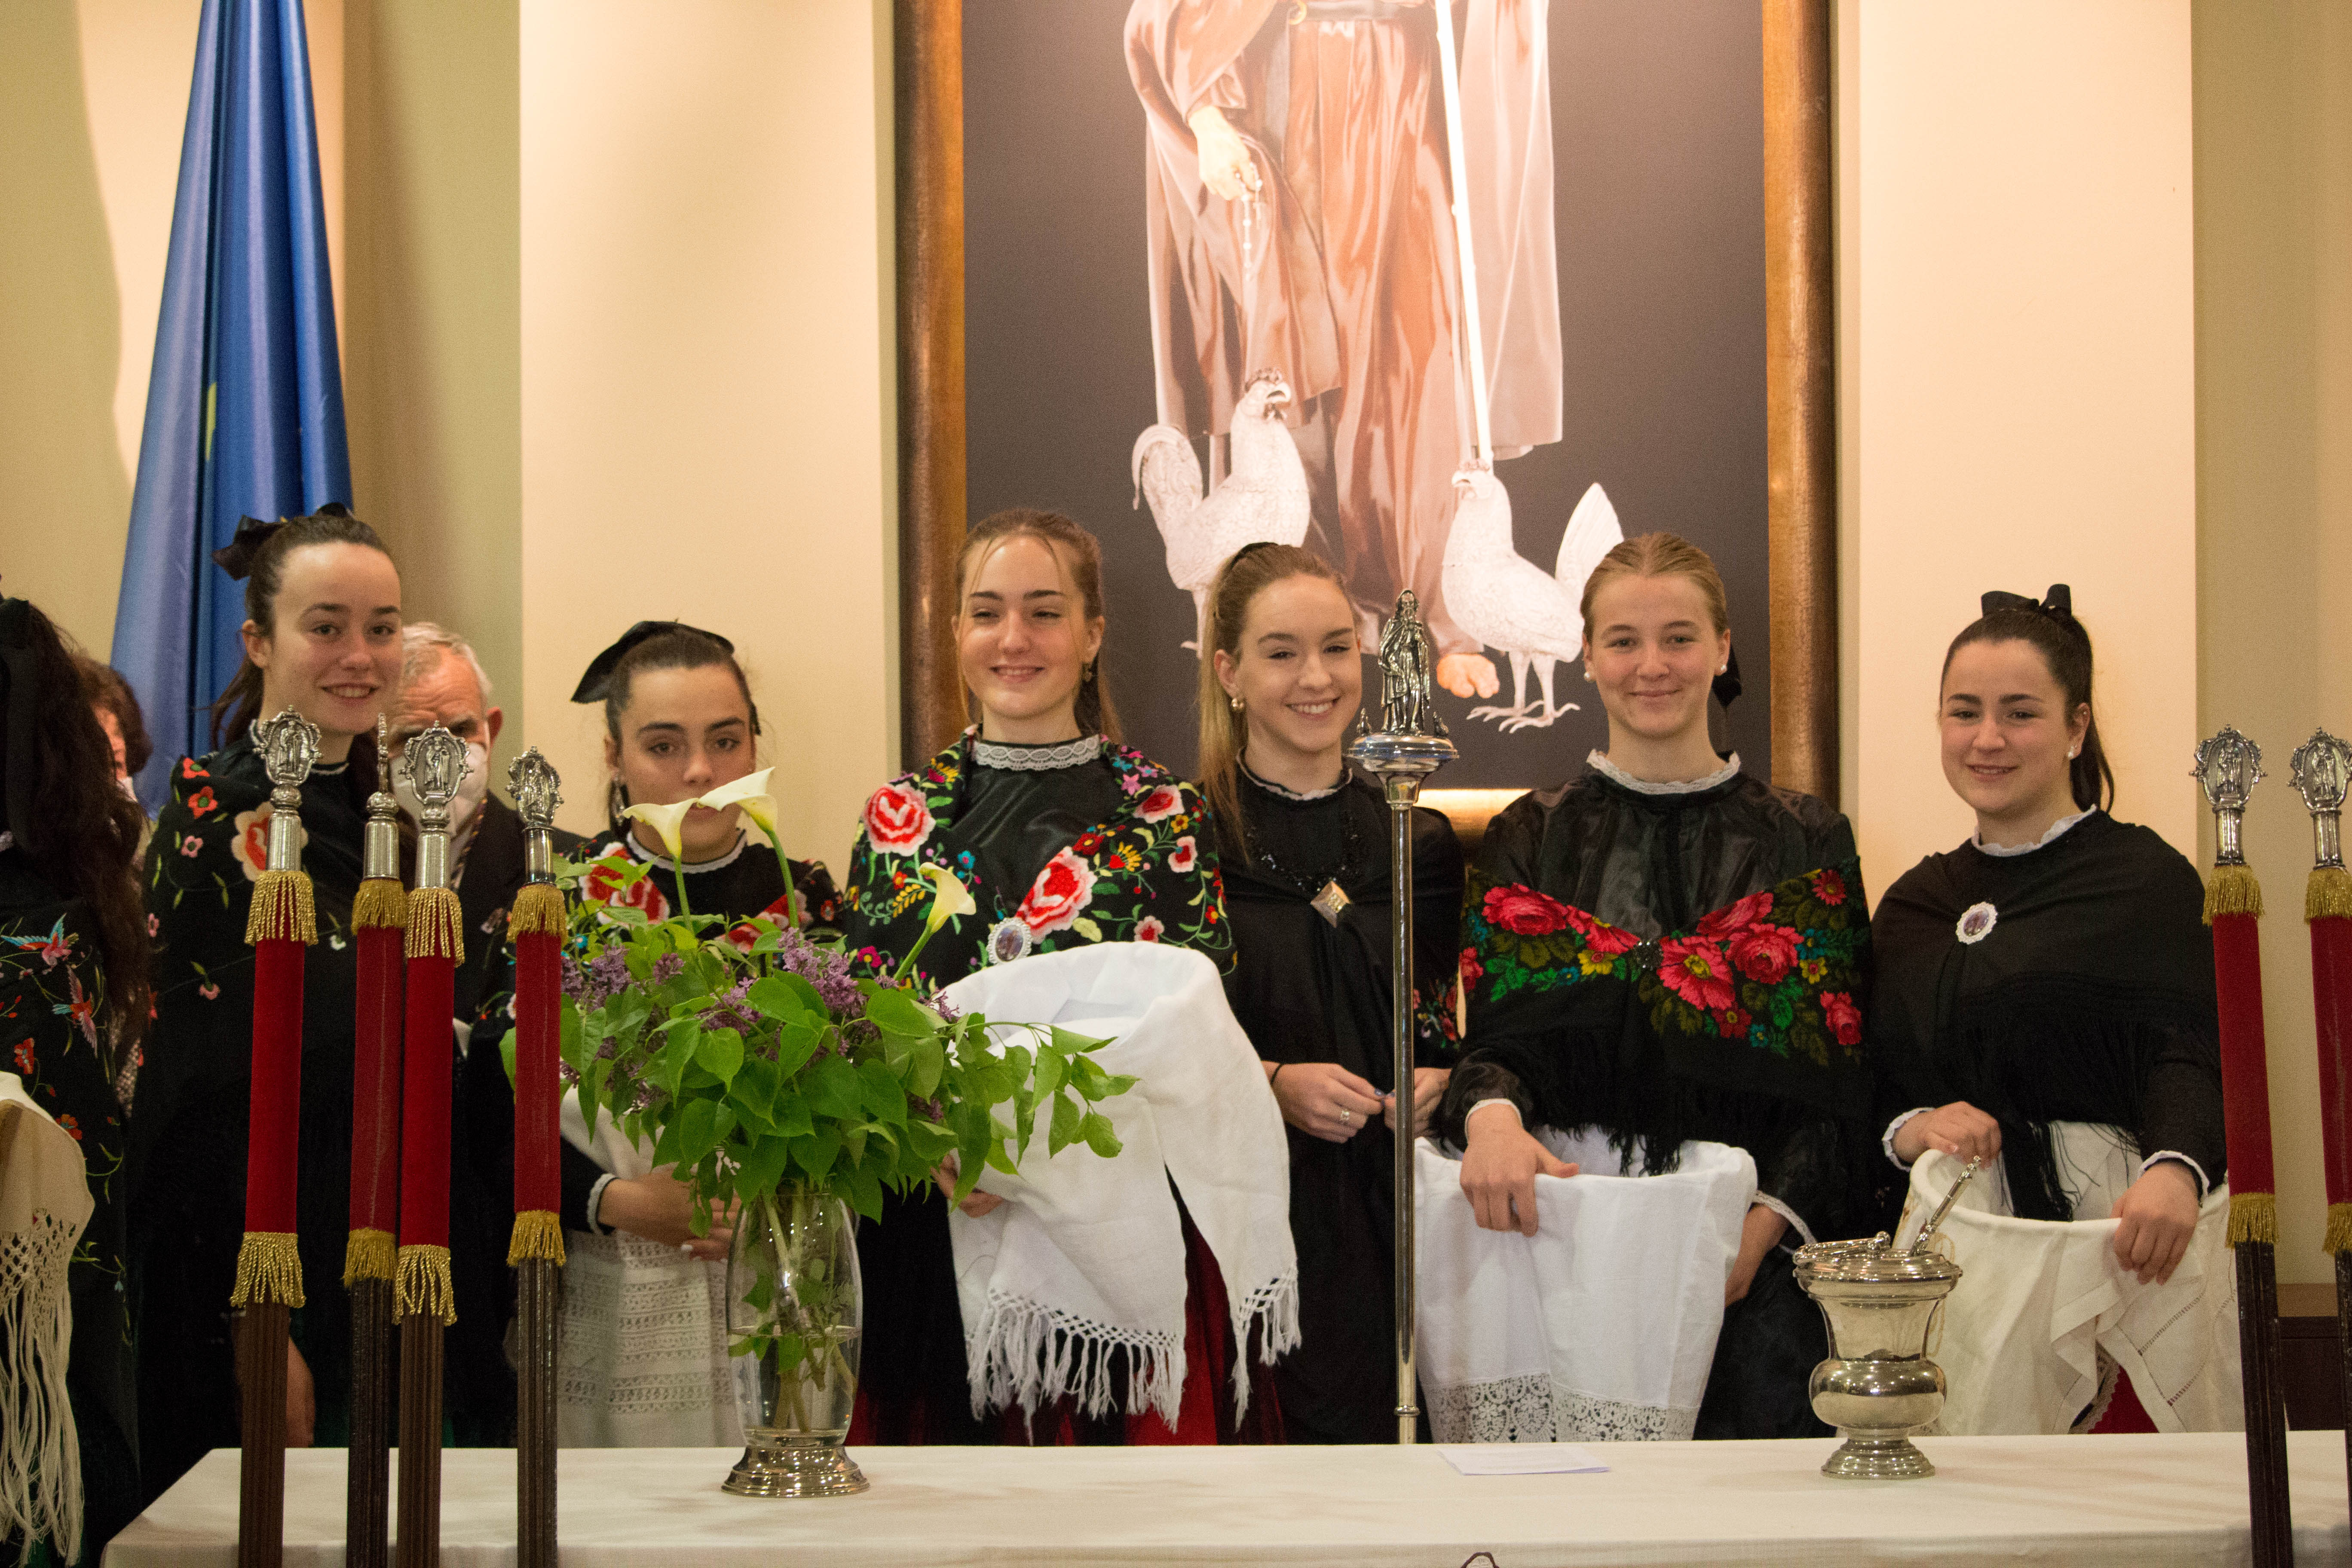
x=1799, y=382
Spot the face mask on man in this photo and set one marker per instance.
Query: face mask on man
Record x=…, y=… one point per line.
x=470, y=790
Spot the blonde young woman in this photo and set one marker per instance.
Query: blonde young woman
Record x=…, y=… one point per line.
x=1663, y=949
x=1063, y=838
x=1304, y=844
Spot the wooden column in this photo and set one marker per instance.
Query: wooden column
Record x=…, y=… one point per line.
x=929, y=76
x=1800, y=382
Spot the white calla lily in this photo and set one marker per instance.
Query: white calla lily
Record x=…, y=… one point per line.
x=950, y=898
x=750, y=793
x=668, y=821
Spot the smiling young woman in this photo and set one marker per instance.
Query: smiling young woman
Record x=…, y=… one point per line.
x=1667, y=949
x=2045, y=991
x=1063, y=837
x=1305, y=846
x=322, y=635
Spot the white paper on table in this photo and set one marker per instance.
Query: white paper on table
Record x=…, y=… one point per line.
x=1521, y=1458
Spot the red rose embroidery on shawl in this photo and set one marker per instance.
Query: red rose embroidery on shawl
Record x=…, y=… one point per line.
x=1150, y=929
x=1060, y=891
x=1723, y=922
x=1162, y=803
x=898, y=819
x=25, y=1057
x=604, y=886
x=1525, y=912
x=1696, y=970
x=1829, y=888
x=1605, y=939
x=1764, y=952
x=1471, y=970
x=1844, y=1019
x=1181, y=858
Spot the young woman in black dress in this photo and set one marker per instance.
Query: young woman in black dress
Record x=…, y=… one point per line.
x=1305, y=846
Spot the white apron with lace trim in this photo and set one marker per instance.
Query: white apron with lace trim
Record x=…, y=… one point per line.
x=641, y=1345
x=2030, y=1339
x=1602, y=1326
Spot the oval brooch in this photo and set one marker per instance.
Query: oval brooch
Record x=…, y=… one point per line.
x=1010, y=939
x=1977, y=922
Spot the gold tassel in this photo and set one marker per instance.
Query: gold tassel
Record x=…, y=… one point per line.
x=2254, y=1217
x=367, y=1255
x=269, y=1270
x=424, y=1287
x=539, y=907
x=2329, y=894
x=283, y=910
x=536, y=1233
x=2232, y=890
x=2339, y=1229
x=435, y=925
x=381, y=904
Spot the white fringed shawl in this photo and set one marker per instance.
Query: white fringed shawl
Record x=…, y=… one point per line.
x=45, y=1202
x=1082, y=1267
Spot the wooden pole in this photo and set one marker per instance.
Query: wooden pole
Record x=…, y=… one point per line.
x=536, y=1280
x=2258, y=1353
x=1800, y=394
x=419, y=1544
x=929, y=111
x=261, y=1330
x=367, y=1487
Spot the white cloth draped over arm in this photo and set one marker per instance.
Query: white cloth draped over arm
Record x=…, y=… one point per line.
x=1600, y=1326
x=1082, y=1267
x=45, y=1202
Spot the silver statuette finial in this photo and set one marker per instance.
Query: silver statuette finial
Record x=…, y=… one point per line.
x=1410, y=740
x=288, y=745
x=537, y=791
x=434, y=761
x=2229, y=766
x=2322, y=769
x=380, y=839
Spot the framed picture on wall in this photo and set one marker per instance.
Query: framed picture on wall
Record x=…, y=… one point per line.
x=1190, y=272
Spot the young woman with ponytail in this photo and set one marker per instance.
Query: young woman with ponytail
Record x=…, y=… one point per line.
x=1304, y=844
x=2045, y=990
x=1063, y=838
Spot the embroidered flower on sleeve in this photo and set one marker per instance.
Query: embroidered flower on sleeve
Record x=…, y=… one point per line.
x=898, y=819
x=202, y=802
x=1736, y=917
x=191, y=846
x=1472, y=971
x=1829, y=888
x=66, y=1120
x=1150, y=929
x=188, y=768
x=25, y=1057
x=1696, y=970
x=1061, y=891
x=208, y=990
x=251, y=845
x=154, y=925
x=1845, y=1019
x=1162, y=802
x=1181, y=858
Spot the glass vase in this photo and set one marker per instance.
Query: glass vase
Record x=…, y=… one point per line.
x=793, y=1313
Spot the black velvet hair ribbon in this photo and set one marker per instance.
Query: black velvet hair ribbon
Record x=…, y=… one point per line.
x=237, y=556
x=597, y=681
x=2058, y=604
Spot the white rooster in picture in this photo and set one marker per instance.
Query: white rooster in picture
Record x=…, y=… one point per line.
x=1510, y=604
x=1262, y=496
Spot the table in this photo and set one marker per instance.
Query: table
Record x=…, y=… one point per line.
x=2137, y=1500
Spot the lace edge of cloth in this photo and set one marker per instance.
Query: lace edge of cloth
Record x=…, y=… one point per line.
x=40, y=1451
x=1530, y=1410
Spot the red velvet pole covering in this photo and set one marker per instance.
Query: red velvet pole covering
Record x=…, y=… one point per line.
x=539, y=1090
x=2245, y=1078
x=276, y=1106
x=424, y=1124
x=377, y=1091
x=2331, y=997
x=536, y=926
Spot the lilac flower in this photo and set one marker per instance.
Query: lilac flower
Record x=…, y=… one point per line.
x=824, y=969
x=668, y=967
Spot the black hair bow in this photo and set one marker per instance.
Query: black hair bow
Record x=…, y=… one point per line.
x=596, y=682
x=2058, y=602
x=237, y=556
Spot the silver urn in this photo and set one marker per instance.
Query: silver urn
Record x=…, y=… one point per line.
x=1877, y=1387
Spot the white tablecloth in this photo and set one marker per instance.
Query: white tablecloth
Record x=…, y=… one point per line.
x=2137, y=1500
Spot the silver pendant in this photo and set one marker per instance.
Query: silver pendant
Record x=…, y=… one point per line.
x=1330, y=902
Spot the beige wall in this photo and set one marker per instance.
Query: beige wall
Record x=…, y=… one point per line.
x=707, y=392
x=2018, y=405
x=2275, y=481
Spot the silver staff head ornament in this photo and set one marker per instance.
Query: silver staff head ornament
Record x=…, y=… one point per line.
x=2229, y=766
x=380, y=839
x=2322, y=769
x=434, y=761
x=288, y=745
x=537, y=791
x=1411, y=742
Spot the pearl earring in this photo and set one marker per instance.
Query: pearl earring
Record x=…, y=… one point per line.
x=2073, y=752
x=1237, y=704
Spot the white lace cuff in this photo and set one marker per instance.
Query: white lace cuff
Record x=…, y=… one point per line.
x=2196, y=1170
x=1796, y=1221
x=596, y=1205
x=1886, y=1139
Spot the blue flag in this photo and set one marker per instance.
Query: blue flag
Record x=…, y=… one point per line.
x=245, y=406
